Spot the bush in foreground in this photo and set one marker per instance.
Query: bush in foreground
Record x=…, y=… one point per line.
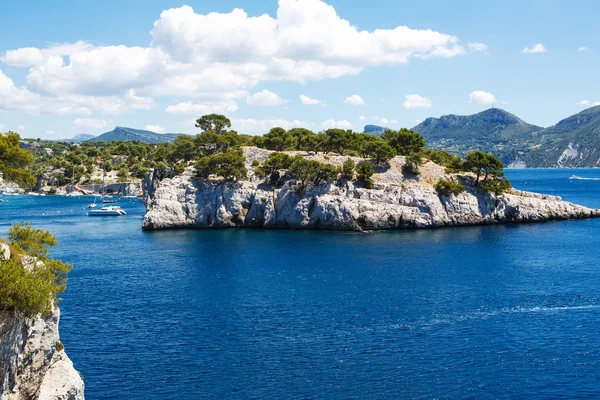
x=30, y=281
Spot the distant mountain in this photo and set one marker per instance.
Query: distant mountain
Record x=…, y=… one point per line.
x=128, y=134
x=493, y=130
x=573, y=142
x=374, y=129
x=82, y=137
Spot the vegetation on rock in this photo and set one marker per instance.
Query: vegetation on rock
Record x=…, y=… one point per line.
x=30, y=280
x=444, y=186
x=14, y=161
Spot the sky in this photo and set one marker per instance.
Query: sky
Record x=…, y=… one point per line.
x=69, y=67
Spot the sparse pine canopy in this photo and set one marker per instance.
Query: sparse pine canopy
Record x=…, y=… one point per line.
x=412, y=164
x=279, y=139
x=217, y=145
x=229, y=165
x=446, y=187
x=312, y=172
x=405, y=141
x=365, y=172
x=348, y=169
x=15, y=161
x=485, y=164
x=216, y=123
x=380, y=151
x=30, y=281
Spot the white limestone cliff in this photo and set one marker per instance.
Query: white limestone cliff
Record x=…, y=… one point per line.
x=33, y=364
x=397, y=201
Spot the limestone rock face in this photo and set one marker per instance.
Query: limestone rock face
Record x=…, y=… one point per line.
x=31, y=366
x=397, y=202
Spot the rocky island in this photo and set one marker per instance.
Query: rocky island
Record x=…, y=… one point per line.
x=399, y=199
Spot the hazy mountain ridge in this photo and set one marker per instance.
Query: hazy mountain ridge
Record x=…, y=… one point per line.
x=121, y=133
x=374, y=129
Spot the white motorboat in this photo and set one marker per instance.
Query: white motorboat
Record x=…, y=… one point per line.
x=107, y=211
x=74, y=193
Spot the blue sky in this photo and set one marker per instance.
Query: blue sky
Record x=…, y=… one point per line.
x=71, y=67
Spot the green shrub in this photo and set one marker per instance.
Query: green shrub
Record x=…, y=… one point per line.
x=348, y=169
x=498, y=186
x=412, y=164
x=255, y=163
x=365, y=171
x=444, y=186
x=380, y=151
x=180, y=168
x=60, y=346
x=229, y=165
x=33, y=287
x=312, y=172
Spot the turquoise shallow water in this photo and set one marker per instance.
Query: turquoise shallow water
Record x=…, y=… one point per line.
x=478, y=312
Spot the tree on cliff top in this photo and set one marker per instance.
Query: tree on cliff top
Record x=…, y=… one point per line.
x=485, y=164
x=30, y=281
x=15, y=161
x=214, y=123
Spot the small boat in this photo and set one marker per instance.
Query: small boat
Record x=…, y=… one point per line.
x=75, y=193
x=33, y=194
x=575, y=177
x=107, y=211
x=129, y=197
x=104, y=210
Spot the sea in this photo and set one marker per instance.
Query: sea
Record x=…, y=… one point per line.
x=485, y=312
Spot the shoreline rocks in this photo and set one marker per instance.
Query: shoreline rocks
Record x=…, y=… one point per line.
x=397, y=202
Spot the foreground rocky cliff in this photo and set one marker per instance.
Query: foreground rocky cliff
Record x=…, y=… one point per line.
x=397, y=201
x=33, y=364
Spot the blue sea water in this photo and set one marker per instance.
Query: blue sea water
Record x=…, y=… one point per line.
x=477, y=312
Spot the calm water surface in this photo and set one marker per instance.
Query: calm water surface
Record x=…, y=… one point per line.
x=478, y=312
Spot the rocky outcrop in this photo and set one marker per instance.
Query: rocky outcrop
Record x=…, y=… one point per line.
x=33, y=364
x=396, y=202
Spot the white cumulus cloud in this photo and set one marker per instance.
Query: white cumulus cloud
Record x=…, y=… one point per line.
x=260, y=127
x=309, y=101
x=330, y=123
x=481, y=97
x=477, y=46
x=90, y=123
x=189, y=108
x=354, y=100
x=265, y=98
x=155, y=128
x=582, y=49
x=537, y=48
x=209, y=59
x=414, y=101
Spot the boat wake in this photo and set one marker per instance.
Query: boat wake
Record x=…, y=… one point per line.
x=583, y=179
x=437, y=321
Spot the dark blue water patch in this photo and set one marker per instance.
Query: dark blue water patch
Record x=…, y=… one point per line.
x=476, y=312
